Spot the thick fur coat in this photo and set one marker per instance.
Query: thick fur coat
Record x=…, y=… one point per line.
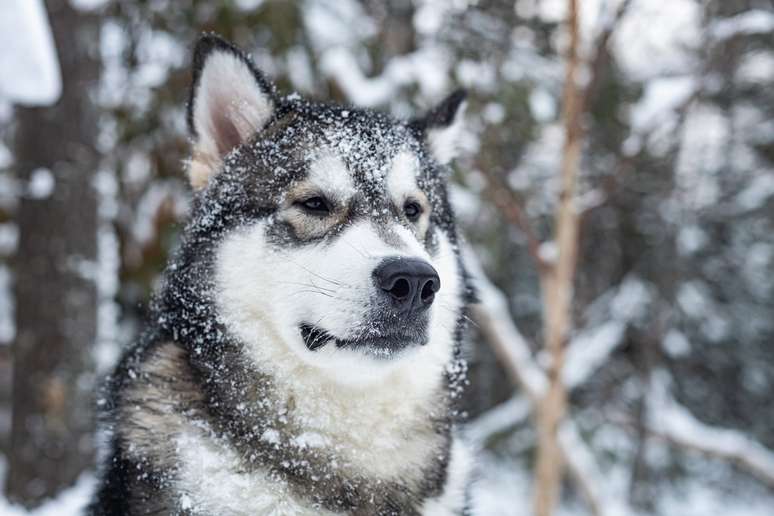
x=301, y=358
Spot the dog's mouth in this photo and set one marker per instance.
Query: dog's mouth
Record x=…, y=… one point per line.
x=380, y=344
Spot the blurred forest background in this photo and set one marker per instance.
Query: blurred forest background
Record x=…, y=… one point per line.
x=656, y=396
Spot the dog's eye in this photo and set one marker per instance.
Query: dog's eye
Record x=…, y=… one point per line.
x=315, y=206
x=412, y=210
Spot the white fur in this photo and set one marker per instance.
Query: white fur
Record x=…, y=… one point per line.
x=330, y=174
x=402, y=177
x=359, y=404
x=212, y=480
x=371, y=411
x=458, y=475
x=444, y=142
x=229, y=108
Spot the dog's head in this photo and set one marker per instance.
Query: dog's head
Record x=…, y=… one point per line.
x=330, y=227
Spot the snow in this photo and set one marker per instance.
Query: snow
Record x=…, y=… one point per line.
x=28, y=57
x=497, y=420
x=511, y=342
x=757, y=193
x=9, y=238
x=667, y=418
x=69, y=502
x=756, y=67
x=755, y=21
x=691, y=239
x=702, y=155
x=7, y=323
x=542, y=105
x=337, y=23
x=106, y=278
x=675, y=344
x=88, y=5
x=592, y=347
x=590, y=350
x=662, y=96
x=41, y=184
x=657, y=38
x=427, y=67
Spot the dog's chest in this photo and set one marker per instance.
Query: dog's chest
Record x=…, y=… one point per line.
x=375, y=437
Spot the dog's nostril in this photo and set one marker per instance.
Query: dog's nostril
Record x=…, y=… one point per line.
x=428, y=291
x=400, y=289
x=411, y=283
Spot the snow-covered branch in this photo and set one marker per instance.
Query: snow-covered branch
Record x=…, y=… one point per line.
x=498, y=419
x=583, y=468
x=495, y=321
x=674, y=423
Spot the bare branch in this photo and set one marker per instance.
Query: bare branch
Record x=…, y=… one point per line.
x=510, y=207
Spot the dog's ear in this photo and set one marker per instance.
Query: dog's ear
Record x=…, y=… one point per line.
x=229, y=102
x=442, y=126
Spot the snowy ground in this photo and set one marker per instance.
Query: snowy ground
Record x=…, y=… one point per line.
x=504, y=490
x=69, y=503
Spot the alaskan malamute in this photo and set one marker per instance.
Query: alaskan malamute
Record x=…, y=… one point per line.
x=301, y=357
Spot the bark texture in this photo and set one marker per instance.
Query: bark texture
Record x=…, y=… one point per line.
x=51, y=439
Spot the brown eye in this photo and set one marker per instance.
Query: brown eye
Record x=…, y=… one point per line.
x=412, y=210
x=315, y=206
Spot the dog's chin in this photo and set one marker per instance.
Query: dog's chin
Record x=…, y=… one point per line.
x=380, y=345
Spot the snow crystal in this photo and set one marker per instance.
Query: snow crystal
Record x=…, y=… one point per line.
x=28, y=58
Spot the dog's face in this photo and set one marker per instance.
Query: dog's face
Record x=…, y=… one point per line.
x=339, y=247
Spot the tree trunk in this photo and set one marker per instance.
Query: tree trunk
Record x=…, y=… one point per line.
x=53, y=376
x=557, y=287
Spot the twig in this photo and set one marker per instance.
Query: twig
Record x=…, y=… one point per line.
x=510, y=207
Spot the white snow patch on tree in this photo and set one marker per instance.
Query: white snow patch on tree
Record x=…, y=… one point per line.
x=28, y=59
x=658, y=38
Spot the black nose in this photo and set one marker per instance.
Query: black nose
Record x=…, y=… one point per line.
x=411, y=283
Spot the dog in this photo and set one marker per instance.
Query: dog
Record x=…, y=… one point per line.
x=302, y=356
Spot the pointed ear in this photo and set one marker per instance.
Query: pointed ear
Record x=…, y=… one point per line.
x=229, y=102
x=442, y=126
